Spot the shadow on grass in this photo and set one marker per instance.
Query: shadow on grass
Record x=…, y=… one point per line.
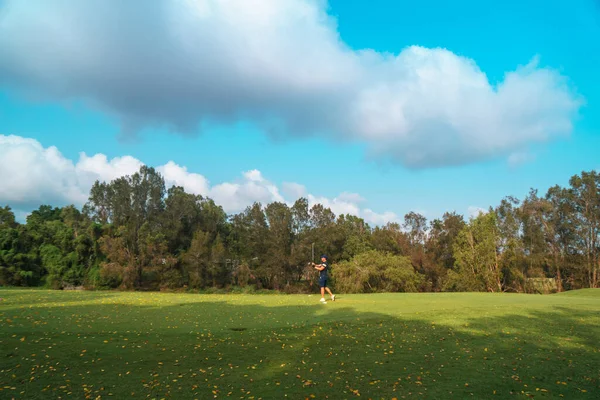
x=206, y=349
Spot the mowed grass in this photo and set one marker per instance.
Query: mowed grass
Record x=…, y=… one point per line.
x=183, y=346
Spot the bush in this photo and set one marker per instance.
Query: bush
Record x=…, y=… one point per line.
x=242, y=275
x=376, y=271
x=461, y=282
x=111, y=275
x=171, y=279
x=93, y=279
x=541, y=285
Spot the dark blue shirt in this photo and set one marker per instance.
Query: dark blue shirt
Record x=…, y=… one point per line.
x=323, y=273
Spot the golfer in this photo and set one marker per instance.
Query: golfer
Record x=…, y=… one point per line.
x=323, y=269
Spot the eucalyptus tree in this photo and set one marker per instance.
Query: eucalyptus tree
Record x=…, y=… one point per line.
x=586, y=203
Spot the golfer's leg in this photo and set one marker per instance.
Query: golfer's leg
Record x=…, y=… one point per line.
x=329, y=291
x=322, y=292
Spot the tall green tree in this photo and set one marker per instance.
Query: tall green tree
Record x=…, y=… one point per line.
x=137, y=201
x=325, y=235
x=181, y=218
x=220, y=268
x=303, y=237
x=439, y=246
x=511, y=221
x=390, y=239
x=9, y=239
x=586, y=198
x=280, y=240
x=415, y=225
x=477, y=259
x=196, y=260
x=7, y=218
x=99, y=206
x=249, y=241
x=356, y=235
x=558, y=215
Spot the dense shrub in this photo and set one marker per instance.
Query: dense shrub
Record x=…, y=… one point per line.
x=375, y=271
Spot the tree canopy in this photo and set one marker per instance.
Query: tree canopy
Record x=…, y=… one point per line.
x=134, y=233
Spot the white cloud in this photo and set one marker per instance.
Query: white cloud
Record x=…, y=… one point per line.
x=475, y=211
x=351, y=197
x=345, y=205
x=282, y=65
x=379, y=219
x=33, y=175
x=337, y=205
x=98, y=167
x=176, y=175
x=254, y=176
x=293, y=190
x=236, y=196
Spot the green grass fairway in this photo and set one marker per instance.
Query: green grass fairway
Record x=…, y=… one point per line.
x=183, y=346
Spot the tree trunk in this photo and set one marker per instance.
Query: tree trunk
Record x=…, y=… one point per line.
x=474, y=257
x=589, y=265
x=497, y=274
x=558, y=275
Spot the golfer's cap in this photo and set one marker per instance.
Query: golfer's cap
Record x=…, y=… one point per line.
x=324, y=256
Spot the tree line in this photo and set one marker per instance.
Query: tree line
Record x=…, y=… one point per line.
x=134, y=234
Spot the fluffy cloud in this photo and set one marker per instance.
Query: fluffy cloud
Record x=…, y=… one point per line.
x=281, y=64
x=239, y=195
x=380, y=219
x=33, y=175
x=99, y=167
x=351, y=197
x=293, y=190
x=348, y=203
x=176, y=175
x=475, y=211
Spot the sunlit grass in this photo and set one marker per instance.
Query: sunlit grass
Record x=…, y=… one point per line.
x=157, y=345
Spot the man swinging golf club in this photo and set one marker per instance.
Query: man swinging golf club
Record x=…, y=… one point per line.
x=323, y=269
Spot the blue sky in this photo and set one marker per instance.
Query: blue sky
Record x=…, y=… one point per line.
x=316, y=142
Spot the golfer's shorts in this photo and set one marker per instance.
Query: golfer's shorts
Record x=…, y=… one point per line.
x=323, y=282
